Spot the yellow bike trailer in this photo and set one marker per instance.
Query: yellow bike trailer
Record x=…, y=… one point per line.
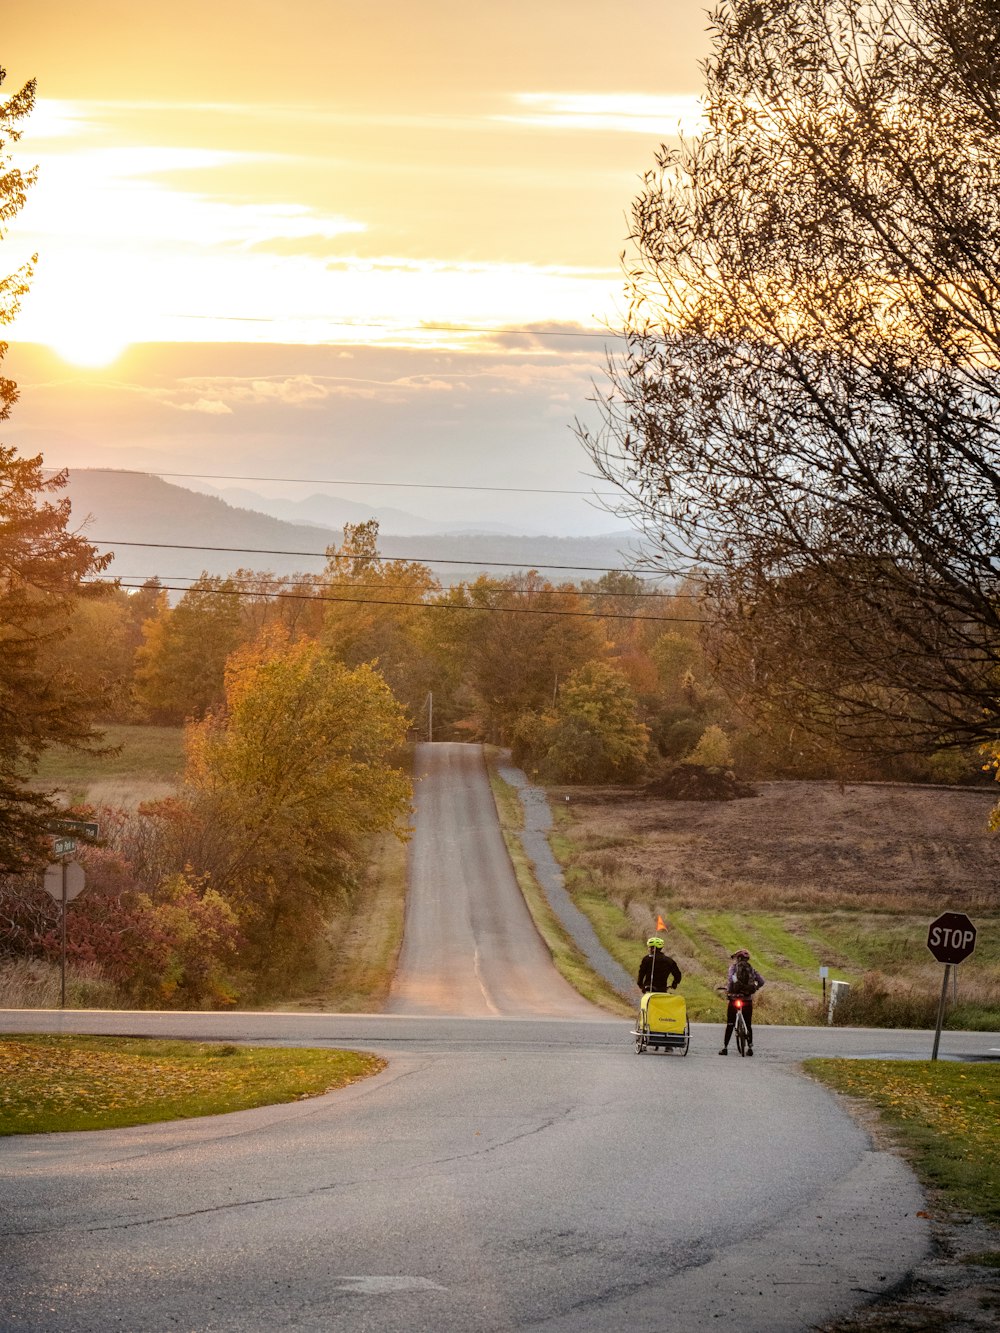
x=662, y=1024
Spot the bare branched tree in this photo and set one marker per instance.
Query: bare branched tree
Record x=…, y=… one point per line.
x=807, y=411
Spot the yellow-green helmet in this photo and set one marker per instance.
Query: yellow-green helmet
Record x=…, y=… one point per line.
x=655, y=942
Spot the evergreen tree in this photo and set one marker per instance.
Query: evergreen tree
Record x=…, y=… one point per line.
x=43, y=569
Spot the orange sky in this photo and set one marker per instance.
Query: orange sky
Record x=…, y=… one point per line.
x=303, y=163
x=322, y=173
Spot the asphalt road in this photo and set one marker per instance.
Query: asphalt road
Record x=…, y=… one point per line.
x=503, y=1173
x=470, y=946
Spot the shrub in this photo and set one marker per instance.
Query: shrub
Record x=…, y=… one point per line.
x=713, y=749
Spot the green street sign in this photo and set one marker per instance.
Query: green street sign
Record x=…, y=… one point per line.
x=69, y=828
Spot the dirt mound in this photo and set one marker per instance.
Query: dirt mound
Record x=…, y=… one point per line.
x=695, y=782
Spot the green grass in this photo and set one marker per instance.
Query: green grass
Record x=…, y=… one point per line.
x=567, y=957
x=141, y=753
x=362, y=943
x=50, y=1084
x=880, y=952
x=942, y=1113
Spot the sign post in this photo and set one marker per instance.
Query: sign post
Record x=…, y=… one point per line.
x=63, y=881
x=951, y=937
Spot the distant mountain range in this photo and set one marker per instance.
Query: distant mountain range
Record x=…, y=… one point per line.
x=333, y=511
x=156, y=528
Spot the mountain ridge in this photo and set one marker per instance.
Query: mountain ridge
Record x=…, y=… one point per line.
x=160, y=529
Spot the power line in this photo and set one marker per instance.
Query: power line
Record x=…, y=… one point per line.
x=322, y=555
x=330, y=481
x=426, y=606
x=250, y=586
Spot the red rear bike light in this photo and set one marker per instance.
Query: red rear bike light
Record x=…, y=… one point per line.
x=738, y=1004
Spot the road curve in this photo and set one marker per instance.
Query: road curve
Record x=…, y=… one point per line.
x=515, y=1169
x=501, y=1176
x=470, y=947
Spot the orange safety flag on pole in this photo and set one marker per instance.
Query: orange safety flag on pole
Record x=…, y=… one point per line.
x=660, y=923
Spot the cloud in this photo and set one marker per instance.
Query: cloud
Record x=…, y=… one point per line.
x=220, y=395
x=619, y=113
x=210, y=406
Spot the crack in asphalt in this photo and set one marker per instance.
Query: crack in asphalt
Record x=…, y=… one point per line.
x=478, y=1151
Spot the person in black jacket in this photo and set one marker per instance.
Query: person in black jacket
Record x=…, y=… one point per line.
x=657, y=968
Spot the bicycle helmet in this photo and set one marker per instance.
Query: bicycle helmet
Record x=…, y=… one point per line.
x=740, y=953
x=655, y=942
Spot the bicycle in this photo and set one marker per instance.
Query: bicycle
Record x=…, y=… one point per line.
x=740, y=1030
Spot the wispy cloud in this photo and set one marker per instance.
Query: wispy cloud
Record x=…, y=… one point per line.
x=621, y=113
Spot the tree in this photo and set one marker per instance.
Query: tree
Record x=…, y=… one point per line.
x=593, y=734
x=808, y=408
x=525, y=641
x=377, y=614
x=99, y=654
x=182, y=661
x=287, y=783
x=43, y=569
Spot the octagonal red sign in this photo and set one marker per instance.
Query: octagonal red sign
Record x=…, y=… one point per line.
x=951, y=937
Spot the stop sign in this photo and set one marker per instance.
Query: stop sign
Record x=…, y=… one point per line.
x=952, y=937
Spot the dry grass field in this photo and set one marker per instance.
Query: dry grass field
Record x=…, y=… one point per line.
x=143, y=763
x=805, y=874
x=884, y=846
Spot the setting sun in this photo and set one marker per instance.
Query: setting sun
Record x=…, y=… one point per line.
x=88, y=347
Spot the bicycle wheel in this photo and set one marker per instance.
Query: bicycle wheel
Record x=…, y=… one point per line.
x=741, y=1035
x=687, y=1039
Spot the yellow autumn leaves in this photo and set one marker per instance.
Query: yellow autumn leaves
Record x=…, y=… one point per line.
x=946, y=1113
x=69, y=1083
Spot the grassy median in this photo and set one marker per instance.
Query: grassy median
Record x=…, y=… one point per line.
x=942, y=1114
x=50, y=1084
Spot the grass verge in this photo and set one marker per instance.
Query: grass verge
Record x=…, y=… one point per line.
x=942, y=1114
x=50, y=1084
x=570, y=962
x=362, y=942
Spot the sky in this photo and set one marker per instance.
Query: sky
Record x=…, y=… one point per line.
x=332, y=245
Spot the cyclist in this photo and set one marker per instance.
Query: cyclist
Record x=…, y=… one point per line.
x=657, y=968
x=742, y=983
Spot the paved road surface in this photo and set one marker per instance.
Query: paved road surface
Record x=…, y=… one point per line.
x=504, y=1173
x=499, y=1175
x=470, y=946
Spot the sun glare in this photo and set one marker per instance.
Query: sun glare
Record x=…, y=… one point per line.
x=88, y=348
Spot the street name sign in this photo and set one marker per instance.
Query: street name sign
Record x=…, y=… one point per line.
x=74, y=828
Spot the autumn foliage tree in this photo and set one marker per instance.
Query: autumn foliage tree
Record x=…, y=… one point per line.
x=375, y=613
x=180, y=666
x=285, y=786
x=592, y=733
x=521, y=637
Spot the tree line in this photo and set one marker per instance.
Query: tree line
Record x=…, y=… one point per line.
x=805, y=423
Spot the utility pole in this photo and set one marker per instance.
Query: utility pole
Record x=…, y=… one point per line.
x=430, y=715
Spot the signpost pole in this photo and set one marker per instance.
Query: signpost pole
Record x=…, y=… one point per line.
x=62, y=966
x=940, y=1013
